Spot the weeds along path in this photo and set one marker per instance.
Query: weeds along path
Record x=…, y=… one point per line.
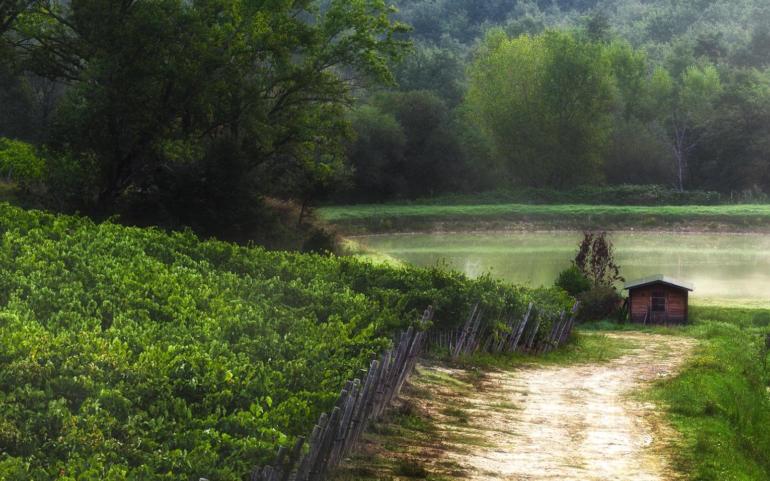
x=568, y=423
x=574, y=423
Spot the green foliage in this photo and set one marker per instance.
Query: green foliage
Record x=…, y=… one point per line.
x=601, y=302
x=432, y=68
x=377, y=153
x=132, y=353
x=545, y=102
x=761, y=319
x=407, y=146
x=682, y=113
x=573, y=281
x=19, y=161
x=172, y=84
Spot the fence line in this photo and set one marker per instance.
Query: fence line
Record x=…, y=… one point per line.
x=359, y=403
x=364, y=400
x=520, y=335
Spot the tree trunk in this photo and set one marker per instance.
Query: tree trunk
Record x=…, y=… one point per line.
x=302, y=210
x=680, y=154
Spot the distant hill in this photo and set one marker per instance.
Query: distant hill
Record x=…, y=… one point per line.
x=723, y=29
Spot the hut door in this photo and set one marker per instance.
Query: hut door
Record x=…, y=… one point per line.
x=658, y=307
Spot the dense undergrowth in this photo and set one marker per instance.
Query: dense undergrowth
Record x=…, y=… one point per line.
x=134, y=354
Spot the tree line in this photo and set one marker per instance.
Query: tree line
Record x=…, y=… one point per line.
x=561, y=94
x=192, y=114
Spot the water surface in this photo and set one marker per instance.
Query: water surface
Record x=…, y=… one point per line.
x=725, y=268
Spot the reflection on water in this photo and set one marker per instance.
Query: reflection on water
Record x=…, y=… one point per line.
x=732, y=267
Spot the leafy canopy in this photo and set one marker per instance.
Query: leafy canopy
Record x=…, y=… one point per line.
x=545, y=101
x=155, y=86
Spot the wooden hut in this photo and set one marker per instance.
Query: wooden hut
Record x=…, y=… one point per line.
x=658, y=300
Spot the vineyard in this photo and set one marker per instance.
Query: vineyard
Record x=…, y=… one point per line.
x=134, y=353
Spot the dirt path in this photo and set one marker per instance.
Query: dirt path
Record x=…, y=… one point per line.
x=570, y=423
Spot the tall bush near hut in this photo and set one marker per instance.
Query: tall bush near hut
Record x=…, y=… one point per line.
x=573, y=281
x=595, y=259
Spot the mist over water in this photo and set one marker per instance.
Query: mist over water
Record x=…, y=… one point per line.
x=725, y=268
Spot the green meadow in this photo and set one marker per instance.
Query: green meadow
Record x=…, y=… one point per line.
x=419, y=217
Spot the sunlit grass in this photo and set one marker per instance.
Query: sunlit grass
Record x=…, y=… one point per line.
x=719, y=401
x=351, y=247
x=584, y=347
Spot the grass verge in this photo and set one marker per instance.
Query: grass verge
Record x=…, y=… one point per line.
x=719, y=402
x=417, y=217
x=584, y=347
x=409, y=442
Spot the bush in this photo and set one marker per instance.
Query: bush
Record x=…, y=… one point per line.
x=320, y=241
x=592, y=195
x=599, y=303
x=573, y=281
x=761, y=319
x=19, y=161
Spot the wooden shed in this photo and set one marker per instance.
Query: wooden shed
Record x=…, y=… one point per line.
x=658, y=300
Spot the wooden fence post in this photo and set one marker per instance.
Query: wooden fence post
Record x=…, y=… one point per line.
x=532, y=335
x=307, y=462
x=520, y=331
x=464, y=333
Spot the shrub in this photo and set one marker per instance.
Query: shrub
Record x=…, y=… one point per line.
x=573, y=281
x=320, y=241
x=599, y=303
x=596, y=259
x=19, y=161
x=761, y=319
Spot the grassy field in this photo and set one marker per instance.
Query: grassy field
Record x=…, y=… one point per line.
x=394, y=217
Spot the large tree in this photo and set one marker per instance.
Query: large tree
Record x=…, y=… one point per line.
x=686, y=105
x=546, y=102
x=156, y=85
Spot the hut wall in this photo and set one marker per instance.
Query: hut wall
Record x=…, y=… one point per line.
x=641, y=303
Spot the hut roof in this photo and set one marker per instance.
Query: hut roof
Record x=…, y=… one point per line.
x=659, y=279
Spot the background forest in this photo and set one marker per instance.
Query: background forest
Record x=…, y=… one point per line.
x=203, y=113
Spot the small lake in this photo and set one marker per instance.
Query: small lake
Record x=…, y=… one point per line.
x=729, y=269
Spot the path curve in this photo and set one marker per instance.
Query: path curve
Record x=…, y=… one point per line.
x=576, y=422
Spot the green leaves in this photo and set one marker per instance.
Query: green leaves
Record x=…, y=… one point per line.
x=162, y=90
x=134, y=354
x=546, y=103
x=20, y=161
